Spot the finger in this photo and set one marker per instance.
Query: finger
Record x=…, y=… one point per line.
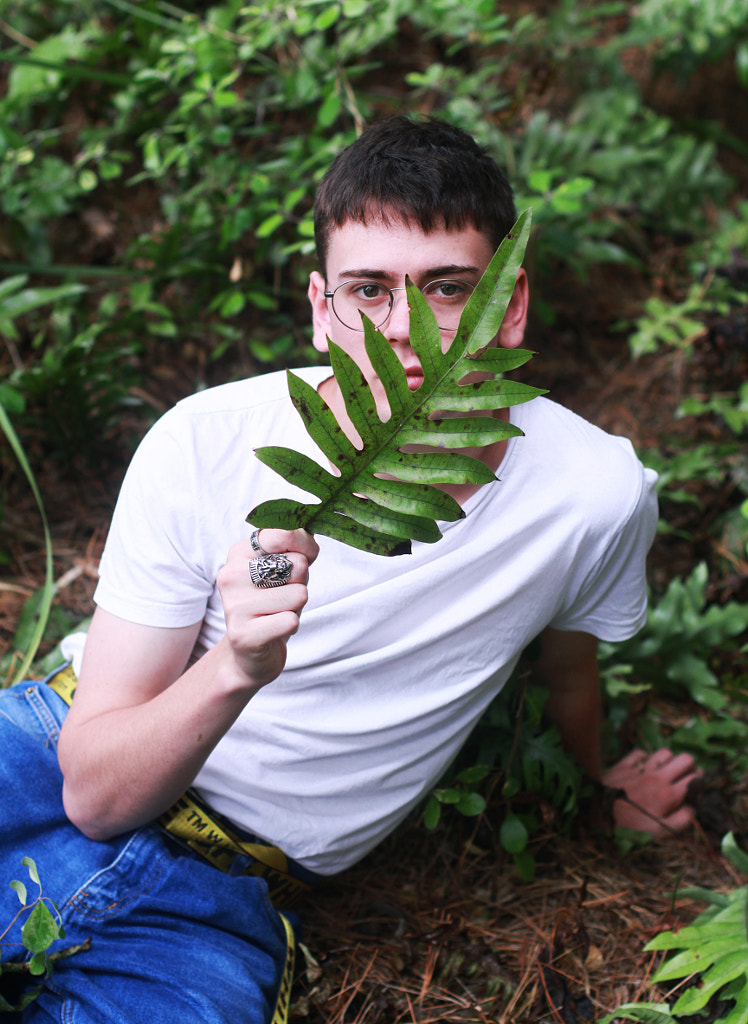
x=659, y=758
x=633, y=758
x=280, y=542
x=236, y=587
x=272, y=600
x=266, y=629
x=679, y=820
x=299, y=566
x=674, y=797
x=682, y=763
x=671, y=766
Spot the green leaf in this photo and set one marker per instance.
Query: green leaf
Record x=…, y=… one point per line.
x=30, y=866
x=513, y=834
x=713, y=954
x=649, y=1013
x=475, y=773
x=448, y=796
x=384, y=497
x=269, y=225
x=20, y=889
x=524, y=862
x=39, y=963
x=732, y=851
x=432, y=813
x=31, y=298
x=488, y=303
x=471, y=804
x=35, y=79
x=723, y=971
x=330, y=108
x=40, y=929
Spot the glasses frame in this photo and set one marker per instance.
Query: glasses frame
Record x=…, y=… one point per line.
x=401, y=288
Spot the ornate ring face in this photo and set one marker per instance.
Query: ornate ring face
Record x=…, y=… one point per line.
x=270, y=571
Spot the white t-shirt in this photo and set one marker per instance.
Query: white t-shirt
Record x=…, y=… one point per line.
x=395, y=658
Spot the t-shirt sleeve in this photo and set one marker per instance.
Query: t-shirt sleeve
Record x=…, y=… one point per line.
x=150, y=571
x=611, y=602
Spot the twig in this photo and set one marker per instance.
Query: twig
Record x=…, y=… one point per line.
x=16, y=36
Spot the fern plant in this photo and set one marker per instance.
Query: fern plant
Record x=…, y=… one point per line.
x=384, y=496
x=712, y=954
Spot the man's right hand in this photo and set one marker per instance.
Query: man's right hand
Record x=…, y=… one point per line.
x=260, y=621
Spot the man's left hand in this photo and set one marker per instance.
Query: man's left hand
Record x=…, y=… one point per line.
x=656, y=786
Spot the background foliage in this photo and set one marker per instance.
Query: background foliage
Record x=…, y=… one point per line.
x=157, y=169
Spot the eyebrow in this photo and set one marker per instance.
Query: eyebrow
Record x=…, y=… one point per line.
x=430, y=273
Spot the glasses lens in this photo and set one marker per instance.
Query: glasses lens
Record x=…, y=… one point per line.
x=352, y=299
x=448, y=299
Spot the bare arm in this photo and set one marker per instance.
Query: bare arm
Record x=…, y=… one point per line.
x=142, y=725
x=568, y=667
x=655, y=784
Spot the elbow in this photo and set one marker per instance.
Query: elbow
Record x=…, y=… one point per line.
x=83, y=816
x=85, y=805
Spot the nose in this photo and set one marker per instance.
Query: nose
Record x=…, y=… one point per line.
x=396, y=327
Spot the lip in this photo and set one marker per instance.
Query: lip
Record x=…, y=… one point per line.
x=414, y=378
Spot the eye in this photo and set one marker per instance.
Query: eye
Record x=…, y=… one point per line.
x=369, y=291
x=451, y=290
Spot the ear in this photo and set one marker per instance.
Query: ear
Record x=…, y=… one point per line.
x=320, y=311
x=512, y=329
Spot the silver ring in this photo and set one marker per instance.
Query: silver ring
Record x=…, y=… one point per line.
x=254, y=540
x=270, y=571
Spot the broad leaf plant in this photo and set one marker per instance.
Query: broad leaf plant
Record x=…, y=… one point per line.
x=710, y=955
x=383, y=495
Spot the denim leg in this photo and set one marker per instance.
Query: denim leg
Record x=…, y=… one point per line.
x=171, y=937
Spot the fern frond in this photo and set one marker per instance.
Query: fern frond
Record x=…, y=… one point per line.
x=382, y=497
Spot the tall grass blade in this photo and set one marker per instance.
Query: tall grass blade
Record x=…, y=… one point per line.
x=48, y=590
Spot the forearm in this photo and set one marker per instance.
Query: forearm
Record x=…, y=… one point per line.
x=125, y=766
x=141, y=726
x=578, y=720
x=568, y=667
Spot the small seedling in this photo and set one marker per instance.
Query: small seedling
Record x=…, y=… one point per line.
x=42, y=927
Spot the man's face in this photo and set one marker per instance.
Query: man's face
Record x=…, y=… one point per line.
x=378, y=254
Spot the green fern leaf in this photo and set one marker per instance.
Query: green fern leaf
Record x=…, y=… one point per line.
x=649, y=1013
x=382, y=496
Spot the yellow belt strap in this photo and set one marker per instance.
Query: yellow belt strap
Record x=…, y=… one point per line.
x=64, y=683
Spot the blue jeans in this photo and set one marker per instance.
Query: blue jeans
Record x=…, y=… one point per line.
x=171, y=937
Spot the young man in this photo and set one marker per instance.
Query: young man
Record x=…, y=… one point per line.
x=307, y=737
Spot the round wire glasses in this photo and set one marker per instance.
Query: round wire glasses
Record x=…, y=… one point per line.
x=349, y=300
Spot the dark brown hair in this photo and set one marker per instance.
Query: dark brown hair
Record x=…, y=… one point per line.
x=426, y=172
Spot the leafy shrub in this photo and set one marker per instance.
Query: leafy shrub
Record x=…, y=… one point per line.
x=689, y=31
x=513, y=752
x=213, y=127
x=672, y=653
